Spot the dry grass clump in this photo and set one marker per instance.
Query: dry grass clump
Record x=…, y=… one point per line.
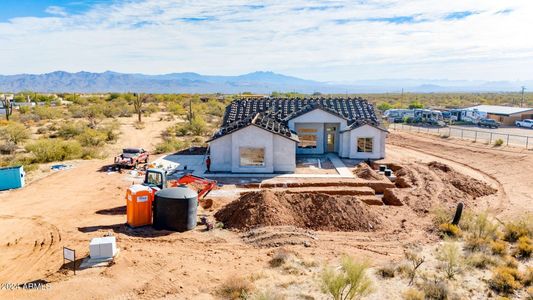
x=450, y=230
x=413, y=294
x=236, y=287
x=514, y=230
x=498, y=247
x=527, y=277
x=280, y=258
x=481, y=260
x=386, y=271
x=481, y=232
x=435, y=289
x=348, y=282
x=269, y=295
x=523, y=248
x=505, y=280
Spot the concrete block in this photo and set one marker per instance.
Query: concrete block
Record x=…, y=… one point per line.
x=104, y=247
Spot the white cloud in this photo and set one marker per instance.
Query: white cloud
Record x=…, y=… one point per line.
x=56, y=10
x=324, y=40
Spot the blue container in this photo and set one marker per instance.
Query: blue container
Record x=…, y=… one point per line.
x=11, y=178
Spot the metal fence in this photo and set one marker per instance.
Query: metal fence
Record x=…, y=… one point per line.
x=469, y=134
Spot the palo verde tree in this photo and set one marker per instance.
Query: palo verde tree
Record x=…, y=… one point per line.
x=8, y=106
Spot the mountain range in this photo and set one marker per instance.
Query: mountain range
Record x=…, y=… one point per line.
x=256, y=82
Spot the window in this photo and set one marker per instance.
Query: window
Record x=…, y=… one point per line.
x=252, y=157
x=365, y=144
x=307, y=138
x=154, y=179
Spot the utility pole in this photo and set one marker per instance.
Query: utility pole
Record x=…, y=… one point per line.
x=401, y=99
x=190, y=110
x=522, y=102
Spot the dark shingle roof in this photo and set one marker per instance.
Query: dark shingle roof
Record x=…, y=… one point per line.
x=273, y=114
x=260, y=120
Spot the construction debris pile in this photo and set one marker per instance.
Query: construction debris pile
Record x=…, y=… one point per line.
x=315, y=211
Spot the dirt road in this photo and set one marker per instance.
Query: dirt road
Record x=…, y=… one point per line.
x=506, y=167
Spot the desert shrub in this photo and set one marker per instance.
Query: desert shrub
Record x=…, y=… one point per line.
x=505, y=280
x=7, y=148
x=512, y=231
x=280, y=258
x=450, y=230
x=386, y=271
x=413, y=294
x=110, y=131
x=14, y=132
x=481, y=260
x=350, y=282
x=523, y=247
x=529, y=292
x=46, y=150
x=70, y=130
x=170, y=145
x=236, y=287
x=441, y=215
x=437, y=290
x=150, y=109
x=177, y=109
x=510, y=262
x=24, y=109
x=449, y=255
x=91, y=138
x=269, y=295
x=527, y=277
x=47, y=112
x=498, y=142
x=415, y=261
x=498, y=247
x=481, y=232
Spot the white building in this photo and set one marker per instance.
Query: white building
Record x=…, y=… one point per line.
x=265, y=135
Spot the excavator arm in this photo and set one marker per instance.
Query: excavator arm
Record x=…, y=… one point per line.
x=203, y=185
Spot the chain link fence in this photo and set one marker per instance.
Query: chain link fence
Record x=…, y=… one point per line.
x=487, y=137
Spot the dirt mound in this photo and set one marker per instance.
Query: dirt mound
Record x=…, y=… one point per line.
x=364, y=171
x=468, y=185
x=423, y=186
x=278, y=236
x=306, y=210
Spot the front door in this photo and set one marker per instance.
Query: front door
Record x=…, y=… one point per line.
x=331, y=138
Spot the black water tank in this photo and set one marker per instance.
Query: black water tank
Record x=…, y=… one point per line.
x=175, y=209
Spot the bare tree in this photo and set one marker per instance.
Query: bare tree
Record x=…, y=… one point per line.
x=138, y=102
x=8, y=106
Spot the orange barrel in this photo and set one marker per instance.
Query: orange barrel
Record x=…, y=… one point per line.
x=139, y=205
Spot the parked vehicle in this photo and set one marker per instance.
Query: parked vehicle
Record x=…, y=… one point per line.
x=527, y=123
x=131, y=157
x=489, y=123
x=398, y=115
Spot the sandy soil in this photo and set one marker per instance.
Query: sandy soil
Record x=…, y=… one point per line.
x=70, y=207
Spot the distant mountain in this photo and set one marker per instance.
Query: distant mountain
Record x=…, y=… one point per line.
x=256, y=82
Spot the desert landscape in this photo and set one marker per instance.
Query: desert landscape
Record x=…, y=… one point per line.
x=277, y=236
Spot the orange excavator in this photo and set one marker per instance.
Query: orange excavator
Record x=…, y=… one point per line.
x=162, y=179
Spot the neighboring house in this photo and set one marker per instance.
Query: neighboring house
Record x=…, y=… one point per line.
x=507, y=115
x=265, y=135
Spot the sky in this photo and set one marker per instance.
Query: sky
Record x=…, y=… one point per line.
x=330, y=40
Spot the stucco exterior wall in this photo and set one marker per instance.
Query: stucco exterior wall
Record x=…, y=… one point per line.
x=220, y=154
x=253, y=137
x=280, y=152
x=284, y=154
x=378, y=145
x=316, y=119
